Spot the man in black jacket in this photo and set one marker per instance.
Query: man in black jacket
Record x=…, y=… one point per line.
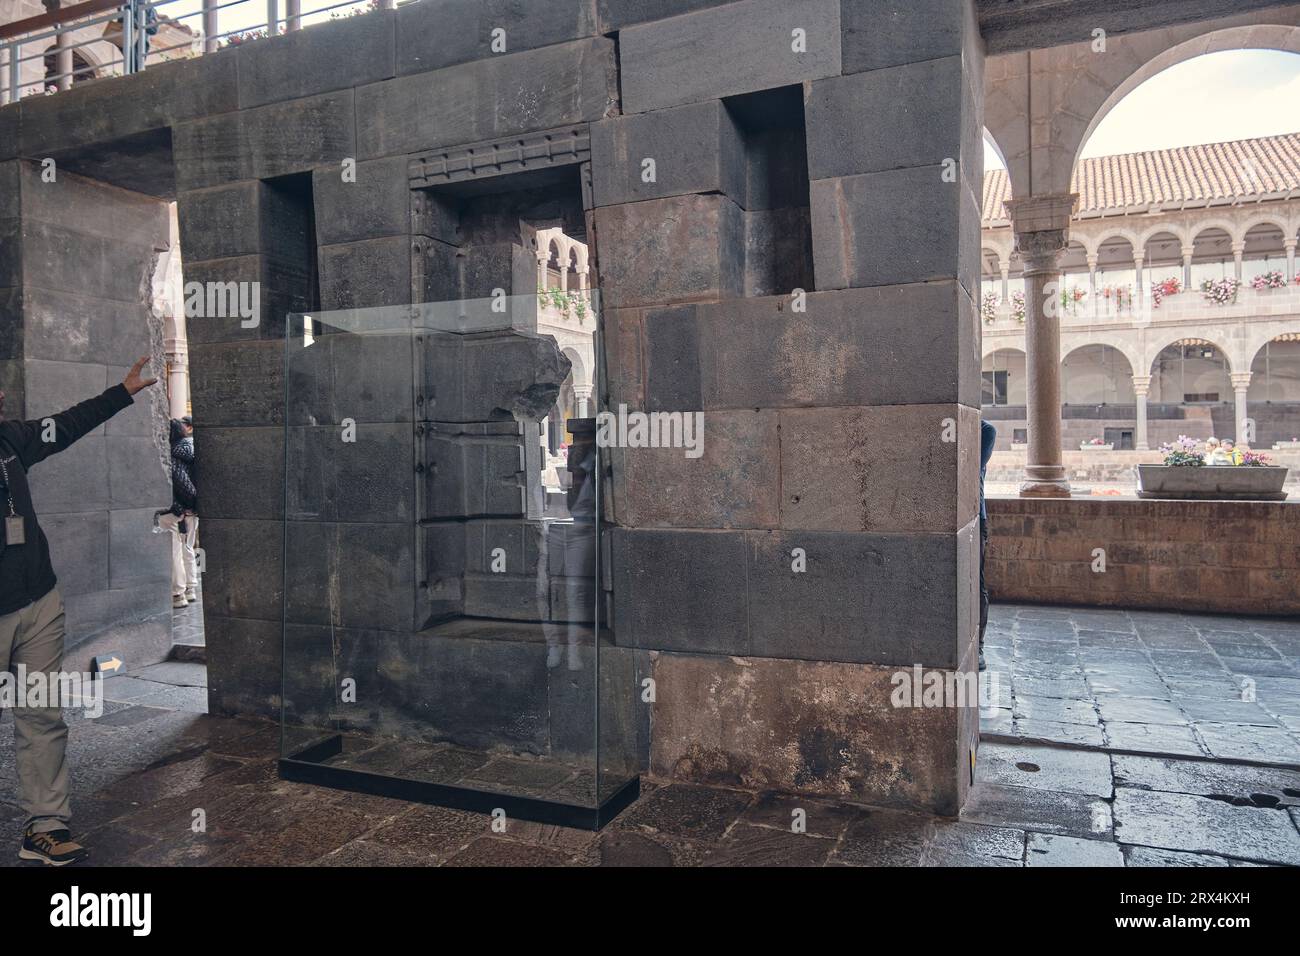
x=31, y=613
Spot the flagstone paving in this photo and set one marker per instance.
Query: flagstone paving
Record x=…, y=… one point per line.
x=1049, y=790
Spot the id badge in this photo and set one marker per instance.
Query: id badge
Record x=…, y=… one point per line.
x=14, y=533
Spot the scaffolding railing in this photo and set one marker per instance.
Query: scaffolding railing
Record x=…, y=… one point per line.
x=49, y=53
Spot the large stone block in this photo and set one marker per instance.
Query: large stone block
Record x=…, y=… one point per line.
x=244, y=666
x=242, y=471
x=679, y=249
x=54, y=386
x=265, y=142
x=238, y=383
x=694, y=149
x=352, y=574
x=438, y=33
x=136, y=477
x=243, y=568
x=617, y=14
x=895, y=345
x=778, y=251
x=736, y=483
x=900, y=225
x=327, y=57
x=364, y=275
x=887, y=33
x=242, y=298
x=79, y=550
x=76, y=326
x=474, y=470
x=738, y=48
x=681, y=590
x=368, y=478
x=897, y=468
x=488, y=98
x=86, y=206
x=826, y=729
x=9, y=133
x=490, y=377
x=925, y=106
x=155, y=98
x=865, y=598
x=54, y=257
x=220, y=222
x=372, y=373
x=137, y=556
x=377, y=203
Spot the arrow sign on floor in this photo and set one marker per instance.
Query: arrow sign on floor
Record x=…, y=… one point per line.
x=108, y=665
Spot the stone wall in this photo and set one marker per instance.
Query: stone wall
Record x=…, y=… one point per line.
x=77, y=262
x=1224, y=557
x=802, y=269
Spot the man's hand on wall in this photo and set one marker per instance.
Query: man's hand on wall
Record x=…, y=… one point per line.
x=133, y=381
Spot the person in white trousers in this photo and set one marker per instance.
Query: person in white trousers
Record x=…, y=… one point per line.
x=182, y=520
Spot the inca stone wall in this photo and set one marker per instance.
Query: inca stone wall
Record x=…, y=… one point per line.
x=77, y=261
x=800, y=268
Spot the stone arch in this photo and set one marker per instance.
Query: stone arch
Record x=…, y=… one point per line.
x=1121, y=344
x=1176, y=45
x=1174, y=336
x=1104, y=380
x=1177, y=230
x=1283, y=385
x=1200, y=226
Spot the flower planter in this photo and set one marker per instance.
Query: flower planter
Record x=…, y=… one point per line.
x=1212, y=482
x=1284, y=445
x=1086, y=447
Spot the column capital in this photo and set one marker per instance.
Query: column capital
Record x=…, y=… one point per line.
x=1042, y=229
x=1238, y=249
x=1187, y=252
x=1240, y=380
x=1142, y=385
x=1289, y=244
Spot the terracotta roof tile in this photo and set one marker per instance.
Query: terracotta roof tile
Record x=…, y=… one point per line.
x=1187, y=174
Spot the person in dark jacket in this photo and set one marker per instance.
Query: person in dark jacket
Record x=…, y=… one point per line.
x=31, y=614
x=988, y=435
x=182, y=518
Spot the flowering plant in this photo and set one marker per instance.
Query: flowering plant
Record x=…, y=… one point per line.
x=1121, y=295
x=1221, y=291
x=1096, y=441
x=989, y=307
x=1018, y=306
x=1070, y=298
x=1183, y=452
x=1165, y=287
x=1255, y=459
x=1269, y=280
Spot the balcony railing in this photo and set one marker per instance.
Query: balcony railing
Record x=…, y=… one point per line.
x=1187, y=306
x=99, y=38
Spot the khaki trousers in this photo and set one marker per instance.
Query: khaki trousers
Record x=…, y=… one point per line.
x=185, y=565
x=33, y=637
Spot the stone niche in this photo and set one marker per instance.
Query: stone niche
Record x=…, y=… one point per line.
x=480, y=626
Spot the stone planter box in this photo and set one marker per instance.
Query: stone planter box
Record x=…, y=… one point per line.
x=1284, y=445
x=1086, y=447
x=1212, y=482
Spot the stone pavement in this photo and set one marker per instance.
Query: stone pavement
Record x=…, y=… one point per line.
x=1146, y=682
x=144, y=768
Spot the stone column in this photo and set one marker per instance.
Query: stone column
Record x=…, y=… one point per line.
x=63, y=51
x=582, y=396
x=1238, y=250
x=1240, y=385
x=210, y=28
x=1042, y=228
x=1092, y=286
x=1289, y=246
x=1141, y=388
x=1138, y=295
x=293, y=14
x=1006, y=285
x=1187, y=267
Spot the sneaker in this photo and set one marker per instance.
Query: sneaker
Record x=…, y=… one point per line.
x=553, y=656
x=190, y=596
x=178, y=601
x=983, y=666
x=54, y=847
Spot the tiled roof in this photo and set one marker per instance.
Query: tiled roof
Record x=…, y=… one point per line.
x=1188, y=174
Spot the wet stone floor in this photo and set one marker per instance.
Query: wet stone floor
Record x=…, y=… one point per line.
x=1046, y=793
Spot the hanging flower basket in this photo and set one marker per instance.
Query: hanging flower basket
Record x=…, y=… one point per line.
x=1165, y=288
x=1018, y=306
x=1268, y=280
x=1221, y=291
x=989, y=307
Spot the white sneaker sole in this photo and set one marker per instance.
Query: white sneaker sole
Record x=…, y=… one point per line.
x=33, y=855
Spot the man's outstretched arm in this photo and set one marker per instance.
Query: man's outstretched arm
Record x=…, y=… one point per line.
x=36, y=440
